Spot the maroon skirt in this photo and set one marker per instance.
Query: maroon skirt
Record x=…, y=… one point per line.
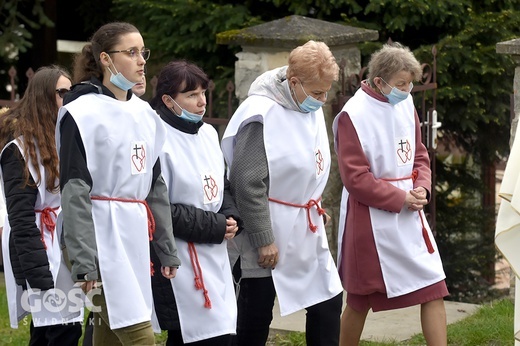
x=378, y=301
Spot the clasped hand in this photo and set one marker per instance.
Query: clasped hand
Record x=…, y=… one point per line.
x=231, y=228
x=416, y=199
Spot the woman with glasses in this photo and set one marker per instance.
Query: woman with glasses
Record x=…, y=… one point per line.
x=37, y=279
x=388, y=256
x=277, y=150
x=139, y=90
x=114, y=198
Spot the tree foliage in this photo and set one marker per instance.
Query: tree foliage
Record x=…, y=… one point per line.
x=186, y=29
x=475, y=83
x=15, y=27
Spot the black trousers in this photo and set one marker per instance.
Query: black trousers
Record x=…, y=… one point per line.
x=255, y=313
x=57, y=335
x=89, y=330
x=175, y=338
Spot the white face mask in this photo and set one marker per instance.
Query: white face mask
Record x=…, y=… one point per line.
x=188, y=116
x=118, y=79
x=310, y=104
x=395, y=95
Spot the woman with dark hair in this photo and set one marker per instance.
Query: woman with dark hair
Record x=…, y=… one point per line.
x=35, y=272
x=199, y=306
x=114, y=197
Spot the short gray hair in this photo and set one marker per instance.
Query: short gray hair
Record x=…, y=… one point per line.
x=393, y=58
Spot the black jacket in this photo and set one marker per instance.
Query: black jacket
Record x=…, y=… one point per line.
x=28, y=257
x=190, y=224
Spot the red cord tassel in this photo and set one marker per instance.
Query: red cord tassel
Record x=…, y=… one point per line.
x=197, y=272
x=207, y=301
x=152, y=271
x=426, y=237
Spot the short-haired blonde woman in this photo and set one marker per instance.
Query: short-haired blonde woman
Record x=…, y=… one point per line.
x=277, y=149
x=388, y=256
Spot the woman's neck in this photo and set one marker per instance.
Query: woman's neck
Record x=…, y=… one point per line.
x=120, y=94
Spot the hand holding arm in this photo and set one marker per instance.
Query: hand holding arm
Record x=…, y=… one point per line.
x=231, y=228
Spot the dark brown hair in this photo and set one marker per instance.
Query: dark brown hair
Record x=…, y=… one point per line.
x=34, y=118
x=86, y=63
x=176, y=77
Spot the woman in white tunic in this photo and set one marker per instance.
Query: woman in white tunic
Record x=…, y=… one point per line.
x=198, y=307
x=388, y=256
x=278, y=154
x=114, y=197
x=35, y=273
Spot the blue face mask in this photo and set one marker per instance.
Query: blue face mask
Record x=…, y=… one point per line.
x=188, y=116
x=119, y=80
x=395, y=96
x=310, y=104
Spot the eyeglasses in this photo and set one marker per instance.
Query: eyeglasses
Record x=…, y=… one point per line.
x=134, y=53
x=62, y=91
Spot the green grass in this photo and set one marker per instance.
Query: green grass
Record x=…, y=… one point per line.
x=491, y=325
x=8, y=335
x=20, y=336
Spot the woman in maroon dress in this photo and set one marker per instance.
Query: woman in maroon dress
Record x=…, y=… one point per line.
x=388, y=256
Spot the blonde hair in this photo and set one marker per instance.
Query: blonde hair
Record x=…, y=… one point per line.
x=312, y=62
x=392, y=58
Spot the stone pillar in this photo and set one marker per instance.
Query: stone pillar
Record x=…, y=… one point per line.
x=252, y=62
x=267, y=46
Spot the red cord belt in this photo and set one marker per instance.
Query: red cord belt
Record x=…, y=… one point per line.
x=199, y=280
x=311, y=203
x=426, y=237
x=47, y=221
x=151, y=220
